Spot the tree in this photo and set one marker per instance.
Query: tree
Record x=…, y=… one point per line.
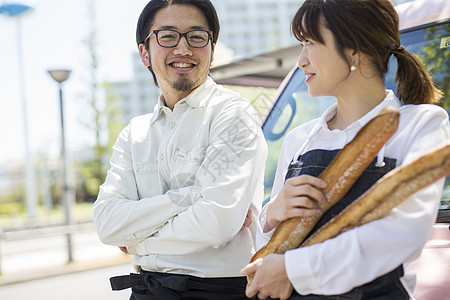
x=436, y=57
x=103, y=119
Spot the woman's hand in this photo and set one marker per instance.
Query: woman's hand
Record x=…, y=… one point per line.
x=270, y=278
x=299, y=197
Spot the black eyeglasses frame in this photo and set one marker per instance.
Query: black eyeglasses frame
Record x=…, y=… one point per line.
x=180, y=34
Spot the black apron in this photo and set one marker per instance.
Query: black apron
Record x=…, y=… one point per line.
x=165, y=286
x=385, y=287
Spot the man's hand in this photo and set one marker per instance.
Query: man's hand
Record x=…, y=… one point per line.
x=270, y=278
x=248, y=220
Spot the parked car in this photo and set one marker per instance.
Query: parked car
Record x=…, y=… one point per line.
x=425, y=31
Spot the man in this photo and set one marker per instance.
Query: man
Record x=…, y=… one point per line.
x=185, y=181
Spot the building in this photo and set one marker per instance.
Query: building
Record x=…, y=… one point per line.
x=139, y=95
x=251, y=27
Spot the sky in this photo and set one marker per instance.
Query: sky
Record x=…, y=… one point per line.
x=52, y=38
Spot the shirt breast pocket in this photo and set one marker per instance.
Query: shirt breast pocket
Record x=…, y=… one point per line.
x=146, y=174
x=187, y=164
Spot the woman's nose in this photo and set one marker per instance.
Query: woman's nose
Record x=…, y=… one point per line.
x=302, y=60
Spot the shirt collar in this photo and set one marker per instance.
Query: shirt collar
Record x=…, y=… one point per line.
x=389, y=100
x=158, y=108
x=198, y=98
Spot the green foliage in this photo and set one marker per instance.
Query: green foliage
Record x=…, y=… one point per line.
x=102, y=119
x=11, y=198
x=15, y=216
x=92, y=170
x=436, y=59
x=11, y=208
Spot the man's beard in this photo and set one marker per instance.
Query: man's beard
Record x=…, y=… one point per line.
x=183, y=84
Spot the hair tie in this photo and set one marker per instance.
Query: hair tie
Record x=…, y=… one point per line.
x=398, y=50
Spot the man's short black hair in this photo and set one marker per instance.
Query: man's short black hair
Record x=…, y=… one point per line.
x=147, y=16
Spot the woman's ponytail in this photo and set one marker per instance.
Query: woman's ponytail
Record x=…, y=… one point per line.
x=352, y=23
x=414, y=83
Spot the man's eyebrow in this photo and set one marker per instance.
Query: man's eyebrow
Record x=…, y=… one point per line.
x=167, y=27
x=175, y=28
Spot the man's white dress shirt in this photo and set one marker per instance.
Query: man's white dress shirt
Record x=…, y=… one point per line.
x=181, y=183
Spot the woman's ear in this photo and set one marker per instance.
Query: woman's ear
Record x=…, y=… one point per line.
x=355, y=58
x=145, y=57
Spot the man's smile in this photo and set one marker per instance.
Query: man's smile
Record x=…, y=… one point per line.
x=182, y=65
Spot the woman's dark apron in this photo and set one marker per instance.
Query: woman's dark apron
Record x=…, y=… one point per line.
x=166, y=286
x=313, y=163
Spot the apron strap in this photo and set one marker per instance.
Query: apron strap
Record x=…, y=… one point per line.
x=163, y=287
x=173, y=286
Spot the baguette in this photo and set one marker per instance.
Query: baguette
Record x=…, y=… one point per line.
x=389, y=191
x=340, y=175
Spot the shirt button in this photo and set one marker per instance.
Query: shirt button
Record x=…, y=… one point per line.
x=161, y=156
x=172, y=125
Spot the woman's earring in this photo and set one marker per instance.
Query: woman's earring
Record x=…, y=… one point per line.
x=352, y=68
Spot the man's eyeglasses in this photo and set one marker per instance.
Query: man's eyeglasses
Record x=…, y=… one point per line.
x=170, y=38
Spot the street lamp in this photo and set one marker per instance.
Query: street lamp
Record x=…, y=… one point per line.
x=16, y=11
x=60, y=76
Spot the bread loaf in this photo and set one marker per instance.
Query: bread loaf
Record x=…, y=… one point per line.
x=388, y=192
x=340, y=175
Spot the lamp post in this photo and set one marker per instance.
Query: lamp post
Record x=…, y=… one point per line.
x=60, y=76
x=17, y=11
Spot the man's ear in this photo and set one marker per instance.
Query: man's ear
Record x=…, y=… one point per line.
x=213, y=47
x=145, y=58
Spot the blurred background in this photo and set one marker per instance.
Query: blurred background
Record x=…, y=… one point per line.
x=57, y=129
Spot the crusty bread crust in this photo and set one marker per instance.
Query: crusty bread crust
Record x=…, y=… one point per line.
x=340, y=175
x=391, y=190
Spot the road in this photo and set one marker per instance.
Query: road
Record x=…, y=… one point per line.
x=86, y=285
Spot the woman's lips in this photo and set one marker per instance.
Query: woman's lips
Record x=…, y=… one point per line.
x=309, y=76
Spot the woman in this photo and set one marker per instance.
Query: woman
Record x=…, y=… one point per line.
x=346, y=48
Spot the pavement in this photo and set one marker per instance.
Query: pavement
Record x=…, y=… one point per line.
x=63, y=270
x=87, y=285
x=40, y=256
